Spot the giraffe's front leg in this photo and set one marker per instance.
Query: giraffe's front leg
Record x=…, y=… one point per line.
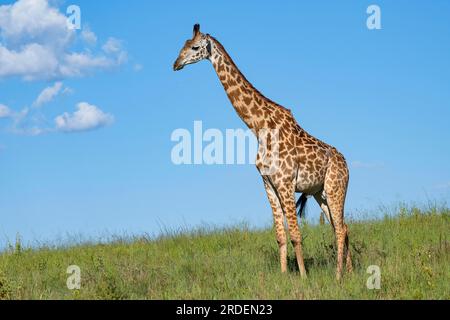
x=279, y=225
x=286, y=193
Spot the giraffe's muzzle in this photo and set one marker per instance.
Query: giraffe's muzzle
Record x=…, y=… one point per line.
x=177, y=66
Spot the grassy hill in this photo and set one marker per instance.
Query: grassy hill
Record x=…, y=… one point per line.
x=412, y=249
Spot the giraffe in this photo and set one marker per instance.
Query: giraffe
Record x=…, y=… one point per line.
x=306, y=164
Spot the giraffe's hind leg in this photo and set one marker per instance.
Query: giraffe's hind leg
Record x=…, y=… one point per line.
x=325, y=209
x=335, y=187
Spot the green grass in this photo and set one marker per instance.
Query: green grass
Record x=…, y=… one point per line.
x=412, y=249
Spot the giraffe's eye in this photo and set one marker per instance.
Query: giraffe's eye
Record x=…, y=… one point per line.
x=195, y=48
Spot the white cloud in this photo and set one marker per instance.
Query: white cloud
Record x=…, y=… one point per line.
x=67, y=90
x=87, y=117
x=31, y=62
x=113, y=45
x=28, y=122
x=35, y=21
x=18, y=117
x=5, y=112
x=88, y=36
x=78, y=64
x=32, y=122
x=35, y=43
x=48, y=94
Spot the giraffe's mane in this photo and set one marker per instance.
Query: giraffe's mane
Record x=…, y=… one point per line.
x=224, y=51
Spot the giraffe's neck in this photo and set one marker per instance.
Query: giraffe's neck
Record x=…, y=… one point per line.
x=248, y=102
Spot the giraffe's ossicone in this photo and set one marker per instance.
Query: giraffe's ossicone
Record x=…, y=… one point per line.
x=296, y=163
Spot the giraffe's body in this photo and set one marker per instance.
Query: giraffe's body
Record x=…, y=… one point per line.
x=306, y=164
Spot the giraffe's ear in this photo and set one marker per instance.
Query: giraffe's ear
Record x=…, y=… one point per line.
x=196, y=29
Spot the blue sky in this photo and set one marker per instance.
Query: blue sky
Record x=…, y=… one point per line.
x=380, y=96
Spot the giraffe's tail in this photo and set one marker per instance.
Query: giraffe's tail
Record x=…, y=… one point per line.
x=301, y=205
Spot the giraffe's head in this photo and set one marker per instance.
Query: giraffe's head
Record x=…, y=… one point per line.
x=196, y=49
